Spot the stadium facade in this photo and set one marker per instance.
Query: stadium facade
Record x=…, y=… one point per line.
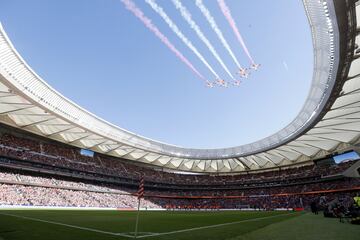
x=328, y=123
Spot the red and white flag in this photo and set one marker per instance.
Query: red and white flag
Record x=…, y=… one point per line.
x=141, y=188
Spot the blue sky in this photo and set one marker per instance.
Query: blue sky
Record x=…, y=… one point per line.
x=99, y=55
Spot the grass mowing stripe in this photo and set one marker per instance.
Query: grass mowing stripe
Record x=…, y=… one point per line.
x=68, y=225
x=214, y=226
x=306, y=226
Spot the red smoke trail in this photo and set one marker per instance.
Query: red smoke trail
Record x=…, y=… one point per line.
x=147, y=22
x=226, y=11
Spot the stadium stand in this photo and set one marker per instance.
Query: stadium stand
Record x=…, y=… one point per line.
x=38, y=172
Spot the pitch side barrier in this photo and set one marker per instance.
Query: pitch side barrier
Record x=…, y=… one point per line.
x=24, y=207
x=231, y=209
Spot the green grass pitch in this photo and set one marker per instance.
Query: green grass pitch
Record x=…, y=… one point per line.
x=219, y=225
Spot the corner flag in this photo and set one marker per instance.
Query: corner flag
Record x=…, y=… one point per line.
x=140, y=195
x=141, y=188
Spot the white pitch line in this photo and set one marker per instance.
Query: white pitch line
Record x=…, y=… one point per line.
x=143, y=234
x=213, y=226
x=68, y=225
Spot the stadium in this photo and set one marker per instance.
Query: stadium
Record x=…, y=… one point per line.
x=66, y=173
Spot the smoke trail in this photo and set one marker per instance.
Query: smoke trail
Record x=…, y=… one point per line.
x=177, y=31
x=214, y=26
x=147, y=22
x=226, y=11
x=187, y=16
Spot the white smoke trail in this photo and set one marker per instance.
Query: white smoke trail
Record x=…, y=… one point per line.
x=177, y=31
x=147, y=22
x=226, y=11
x=205, y=11
x=187, y=16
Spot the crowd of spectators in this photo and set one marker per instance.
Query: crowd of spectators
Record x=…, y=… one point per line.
x=44, y=196
x=86, y=186
x=32, y=190
x=18, y=188
x=56, y=182
x=343, y=184
x=259, y=202
x=53, y=154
